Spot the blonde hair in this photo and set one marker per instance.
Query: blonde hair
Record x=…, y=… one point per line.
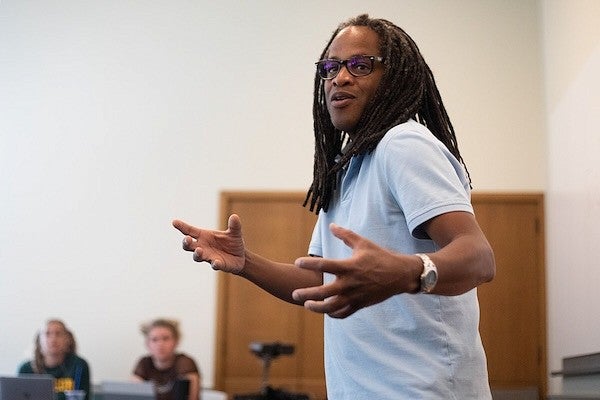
x=170, y=324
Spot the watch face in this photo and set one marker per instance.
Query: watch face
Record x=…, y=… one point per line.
x=429, y=276
x=428, y=280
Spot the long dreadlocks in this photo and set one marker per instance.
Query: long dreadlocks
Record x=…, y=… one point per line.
x=407, y=90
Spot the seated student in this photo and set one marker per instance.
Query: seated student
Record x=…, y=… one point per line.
x=164, y=366
x=55, y=354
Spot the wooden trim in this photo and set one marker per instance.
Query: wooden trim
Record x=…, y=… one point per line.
x=503, y=197
x=227, y=196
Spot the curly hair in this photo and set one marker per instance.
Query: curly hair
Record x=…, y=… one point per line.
x=170, y=324
x=407, y=91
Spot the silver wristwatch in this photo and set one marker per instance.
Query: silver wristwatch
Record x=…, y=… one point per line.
x=429, y=276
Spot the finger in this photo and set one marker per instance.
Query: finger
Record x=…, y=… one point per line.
x=234, y=224
x=314, y=293
x=320, y=264
x=216, y=264
x=349, y=237
x=343, y=312
x=186, y=228
x=189, y=243
x=199, y=256
x=331, y=306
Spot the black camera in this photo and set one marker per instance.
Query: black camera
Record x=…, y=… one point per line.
x=271, y=350
x=267, y=352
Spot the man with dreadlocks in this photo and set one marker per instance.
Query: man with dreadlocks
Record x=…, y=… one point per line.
x=396, y=252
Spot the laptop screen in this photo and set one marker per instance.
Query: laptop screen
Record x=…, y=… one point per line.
x=27, y=387
x=124, y=390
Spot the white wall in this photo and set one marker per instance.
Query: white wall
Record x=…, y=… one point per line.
x=117, y=116
x=572, y=61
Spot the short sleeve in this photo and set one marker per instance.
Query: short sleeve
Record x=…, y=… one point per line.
x=140, y=369
x=423, y=176
x=185, y=365
x=25, y=368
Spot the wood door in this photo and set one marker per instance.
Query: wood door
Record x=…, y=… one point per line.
x=513, y=311
x=275, y=225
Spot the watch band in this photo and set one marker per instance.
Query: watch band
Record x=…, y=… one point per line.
x=429, y=275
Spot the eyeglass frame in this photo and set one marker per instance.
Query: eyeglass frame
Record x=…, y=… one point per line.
x=344, y=63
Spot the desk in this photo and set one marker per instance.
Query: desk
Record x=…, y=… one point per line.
x=580, y=378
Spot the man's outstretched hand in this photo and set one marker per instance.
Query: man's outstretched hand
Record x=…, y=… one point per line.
x=224, y=250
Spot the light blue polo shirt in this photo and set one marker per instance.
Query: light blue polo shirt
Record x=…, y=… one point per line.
x=411, y=346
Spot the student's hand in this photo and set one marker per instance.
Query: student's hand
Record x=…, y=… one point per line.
x=371, y=275
x=224, y=250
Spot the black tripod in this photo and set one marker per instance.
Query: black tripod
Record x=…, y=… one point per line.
x=267, y=352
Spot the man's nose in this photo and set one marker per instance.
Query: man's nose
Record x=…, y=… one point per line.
x=343, y=77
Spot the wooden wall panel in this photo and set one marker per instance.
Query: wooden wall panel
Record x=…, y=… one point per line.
x=513, y=313
x=277, y=226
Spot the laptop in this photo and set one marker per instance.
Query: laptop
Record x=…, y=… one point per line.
x=125, y=390
x=27, y=387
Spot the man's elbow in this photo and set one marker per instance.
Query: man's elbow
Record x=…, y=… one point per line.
x=488, y=270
